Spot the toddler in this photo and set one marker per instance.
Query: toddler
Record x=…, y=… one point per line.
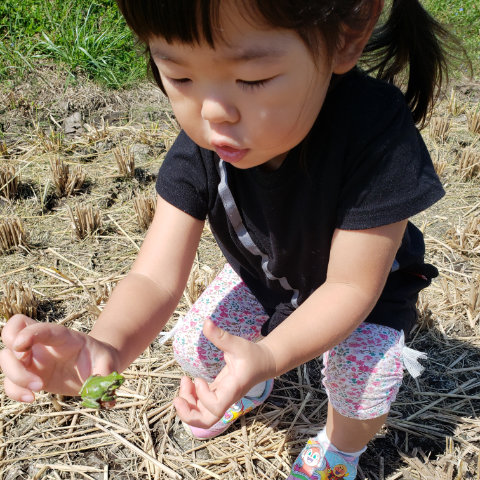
x=307, y=170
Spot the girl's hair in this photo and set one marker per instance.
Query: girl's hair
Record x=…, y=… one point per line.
x=410, y=44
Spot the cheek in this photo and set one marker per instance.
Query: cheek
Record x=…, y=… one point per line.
x=187, y=115
x=283, y=126
x=180, y=106
x=292, y=112
x=192, y=124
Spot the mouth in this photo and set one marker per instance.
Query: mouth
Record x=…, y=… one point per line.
x=230, y=154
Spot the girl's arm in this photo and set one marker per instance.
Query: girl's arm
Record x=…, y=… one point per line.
x=43, y=356
x=359, y=264
x=145, y=299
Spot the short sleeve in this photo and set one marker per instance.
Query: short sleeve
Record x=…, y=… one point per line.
x=387, y=175
x=182, y=178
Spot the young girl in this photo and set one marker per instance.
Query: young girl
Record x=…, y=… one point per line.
x=307, y=170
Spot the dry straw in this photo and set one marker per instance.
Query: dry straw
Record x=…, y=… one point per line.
x=473, y=120
x=86, y=220
x=125, y=161
x=200, y=277
x=474, y=298
x=8, y=181
x=145, y=210
x=17, y=298
x=66, y=181
x=99, y=298
x=469, y=164
x=12, y=233
x=3, y=149
x=453, y=106
x=467, y=238
x=439, y=164
x=50, y=143
x=170, y=131
x=439, y=127
x=95, y=134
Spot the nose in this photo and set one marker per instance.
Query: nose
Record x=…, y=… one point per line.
x=215, y=110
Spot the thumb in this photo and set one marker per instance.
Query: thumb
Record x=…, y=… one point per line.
x=223, y=340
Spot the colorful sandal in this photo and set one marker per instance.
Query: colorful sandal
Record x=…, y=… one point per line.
x=238, y=409
x=314, y=463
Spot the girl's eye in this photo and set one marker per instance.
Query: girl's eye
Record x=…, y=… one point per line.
x=253, y=84
x=179, y=81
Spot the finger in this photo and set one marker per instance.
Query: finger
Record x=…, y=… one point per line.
x=187, y=391
x=46, y=334
x=224, y=374
x=15, y=371
x=196, y=416
x=15, y=392
x=13, y=327
x=209, y=398
x=222, y=339
x=184, y=409
x=189, y=409
x=91, y=361
x=216, y=400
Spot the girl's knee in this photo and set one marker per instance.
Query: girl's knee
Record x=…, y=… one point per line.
x=228, y=302
x=194, y=352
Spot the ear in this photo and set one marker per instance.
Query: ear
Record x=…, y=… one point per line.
x=353, y=41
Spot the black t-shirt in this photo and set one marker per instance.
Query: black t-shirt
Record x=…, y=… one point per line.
x=363, y=165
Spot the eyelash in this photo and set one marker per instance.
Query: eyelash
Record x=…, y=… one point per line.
x=245, y=84
x=179, y=81
x=253, y=85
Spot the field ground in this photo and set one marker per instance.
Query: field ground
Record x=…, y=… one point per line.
x=434, y=429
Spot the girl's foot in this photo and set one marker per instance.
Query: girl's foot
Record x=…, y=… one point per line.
x=238, y=409
x=317, y=463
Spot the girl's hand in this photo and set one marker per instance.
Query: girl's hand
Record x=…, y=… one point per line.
x=201, y=404
x=44, y=356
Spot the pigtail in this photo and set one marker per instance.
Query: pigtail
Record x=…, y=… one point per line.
x=412, y=41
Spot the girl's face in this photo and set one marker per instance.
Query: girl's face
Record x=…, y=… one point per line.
x=252, y=98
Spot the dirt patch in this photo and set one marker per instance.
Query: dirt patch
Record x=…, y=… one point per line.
x=433, y=430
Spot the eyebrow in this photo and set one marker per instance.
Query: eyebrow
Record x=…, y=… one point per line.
x=242, y=55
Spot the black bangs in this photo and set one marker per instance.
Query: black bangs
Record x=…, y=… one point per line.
x=194, y=21
x=187, y=21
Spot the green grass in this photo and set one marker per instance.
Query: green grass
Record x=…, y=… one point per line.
x=89, y=37
x=462, y=18
x=84, y=36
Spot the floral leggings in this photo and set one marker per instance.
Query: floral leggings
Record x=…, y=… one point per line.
x=362, y=374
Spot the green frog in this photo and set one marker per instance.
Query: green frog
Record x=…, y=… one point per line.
x=97, y=389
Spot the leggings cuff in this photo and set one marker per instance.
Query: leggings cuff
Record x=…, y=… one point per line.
x=410, y=358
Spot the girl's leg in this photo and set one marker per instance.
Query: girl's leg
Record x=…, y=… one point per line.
x=228, y=302
x=350, y=434
x=362, y=376
x=230, y=305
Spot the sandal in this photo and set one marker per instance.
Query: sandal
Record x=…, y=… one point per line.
x=314, y=463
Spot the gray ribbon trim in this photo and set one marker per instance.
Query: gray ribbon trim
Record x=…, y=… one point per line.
x=242, y=233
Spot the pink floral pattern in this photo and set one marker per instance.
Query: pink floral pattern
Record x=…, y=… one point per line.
x=228, y=302
x=362, y=375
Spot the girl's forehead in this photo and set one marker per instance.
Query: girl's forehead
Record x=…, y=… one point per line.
x=237, y=46
x=235, y=36
x=160, y=50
